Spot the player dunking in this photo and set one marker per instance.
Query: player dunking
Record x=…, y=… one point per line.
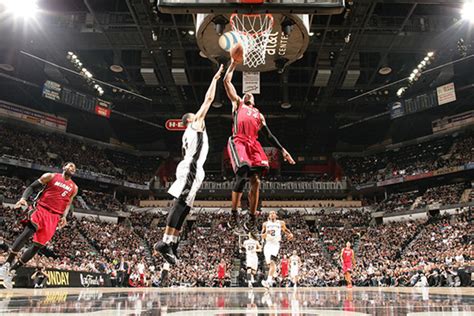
x=247, y=156
x=271, y=233
x=347, y=261
x=295, y=263
x=50, y=211
x=251, y=246
x=189, y=173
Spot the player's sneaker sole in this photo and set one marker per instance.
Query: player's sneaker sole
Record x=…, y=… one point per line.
x=4, y=271
x=166, y=252
x=8, y=280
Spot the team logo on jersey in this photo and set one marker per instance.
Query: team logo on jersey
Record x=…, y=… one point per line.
x=63, y=186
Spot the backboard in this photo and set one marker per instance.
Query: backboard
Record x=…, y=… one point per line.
x=318, y=7
x=285, y=43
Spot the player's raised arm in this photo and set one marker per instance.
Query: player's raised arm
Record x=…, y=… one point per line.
x=229, y=87
x=42, y=181
x=287, y=232
x=210, y=95
x=274, y=141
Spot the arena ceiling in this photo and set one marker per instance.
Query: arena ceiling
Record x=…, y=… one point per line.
x=131, y=33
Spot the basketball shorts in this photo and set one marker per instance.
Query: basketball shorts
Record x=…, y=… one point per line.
x=270, y=250
x=346, y=268
x=45, y=223
x=252, y=262
x=294, y=271
x=246, y=152
x=189, y=178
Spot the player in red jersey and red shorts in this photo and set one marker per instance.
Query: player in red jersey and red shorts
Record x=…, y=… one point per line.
x=246, y=153
x=348, y=261
x=49, y=212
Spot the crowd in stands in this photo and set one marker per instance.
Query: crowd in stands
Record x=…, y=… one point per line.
x=101, y=201
x=445, y=194
x=396, y=202
x=410, y=160
x=392, y=254
x=448, y=194
x=53, y=150
x=344, y=217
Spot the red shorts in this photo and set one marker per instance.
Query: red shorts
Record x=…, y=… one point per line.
x=46, y=223
x=284, y=273
x=346, y=268
x=220, y=276
x=246, y=152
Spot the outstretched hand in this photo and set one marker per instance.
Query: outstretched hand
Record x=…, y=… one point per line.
x=287, y=157
x=219, y=72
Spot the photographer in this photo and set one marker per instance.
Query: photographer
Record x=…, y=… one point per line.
x=39, y=277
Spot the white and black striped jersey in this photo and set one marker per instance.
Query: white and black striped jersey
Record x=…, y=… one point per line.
x=195, y=145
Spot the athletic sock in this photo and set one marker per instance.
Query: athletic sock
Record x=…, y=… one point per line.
x=168, y=239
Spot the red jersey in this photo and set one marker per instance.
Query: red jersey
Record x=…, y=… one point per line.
x=247, y=122
x=284, y=267
x=57, y=194
x=221, y=271
x=347, y=255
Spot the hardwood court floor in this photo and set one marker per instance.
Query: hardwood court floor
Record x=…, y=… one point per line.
x=238, y=301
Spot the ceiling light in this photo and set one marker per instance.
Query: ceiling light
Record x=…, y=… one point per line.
x=217, y=104
x=21, y=8
x=385, y=70
x=7, y=67
x=116, y=68
x=191, y=32
x=285, y=105
x=311, y=33
x=430, y=54
x=467, y=12
x=415, y=71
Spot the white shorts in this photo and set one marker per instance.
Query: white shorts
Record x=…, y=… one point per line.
x=252, y=262
x=270, y=249
x=294, y=272
x=187, y=183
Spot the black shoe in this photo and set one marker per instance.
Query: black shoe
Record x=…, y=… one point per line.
x=174, y=249
x=251, y=224
x=166, y=251
x=233, y=222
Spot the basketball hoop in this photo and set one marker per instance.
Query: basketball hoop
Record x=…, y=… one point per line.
x=254, y=30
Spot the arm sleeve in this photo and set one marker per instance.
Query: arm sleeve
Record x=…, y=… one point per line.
x=29, y=190
x=271, y=138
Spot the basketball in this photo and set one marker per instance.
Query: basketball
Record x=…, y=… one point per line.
x=229, y=39
x=237, y=53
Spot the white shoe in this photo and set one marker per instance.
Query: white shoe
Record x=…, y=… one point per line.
x=265, y=284
x=250, y=285
x=4, y=270
x=8, y=280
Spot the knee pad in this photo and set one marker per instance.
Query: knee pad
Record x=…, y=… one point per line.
x=240, y=181
x=177, y=214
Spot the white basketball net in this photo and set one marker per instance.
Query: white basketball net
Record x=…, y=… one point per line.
x=254, y=30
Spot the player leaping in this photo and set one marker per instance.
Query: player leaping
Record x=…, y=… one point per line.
x=271, y=233
x=50, y=211
x=189, y=173
x=247, y=156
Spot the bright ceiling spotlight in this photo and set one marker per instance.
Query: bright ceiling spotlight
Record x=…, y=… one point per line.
x=467, y=12
x=21, y=8
x=430, y=54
